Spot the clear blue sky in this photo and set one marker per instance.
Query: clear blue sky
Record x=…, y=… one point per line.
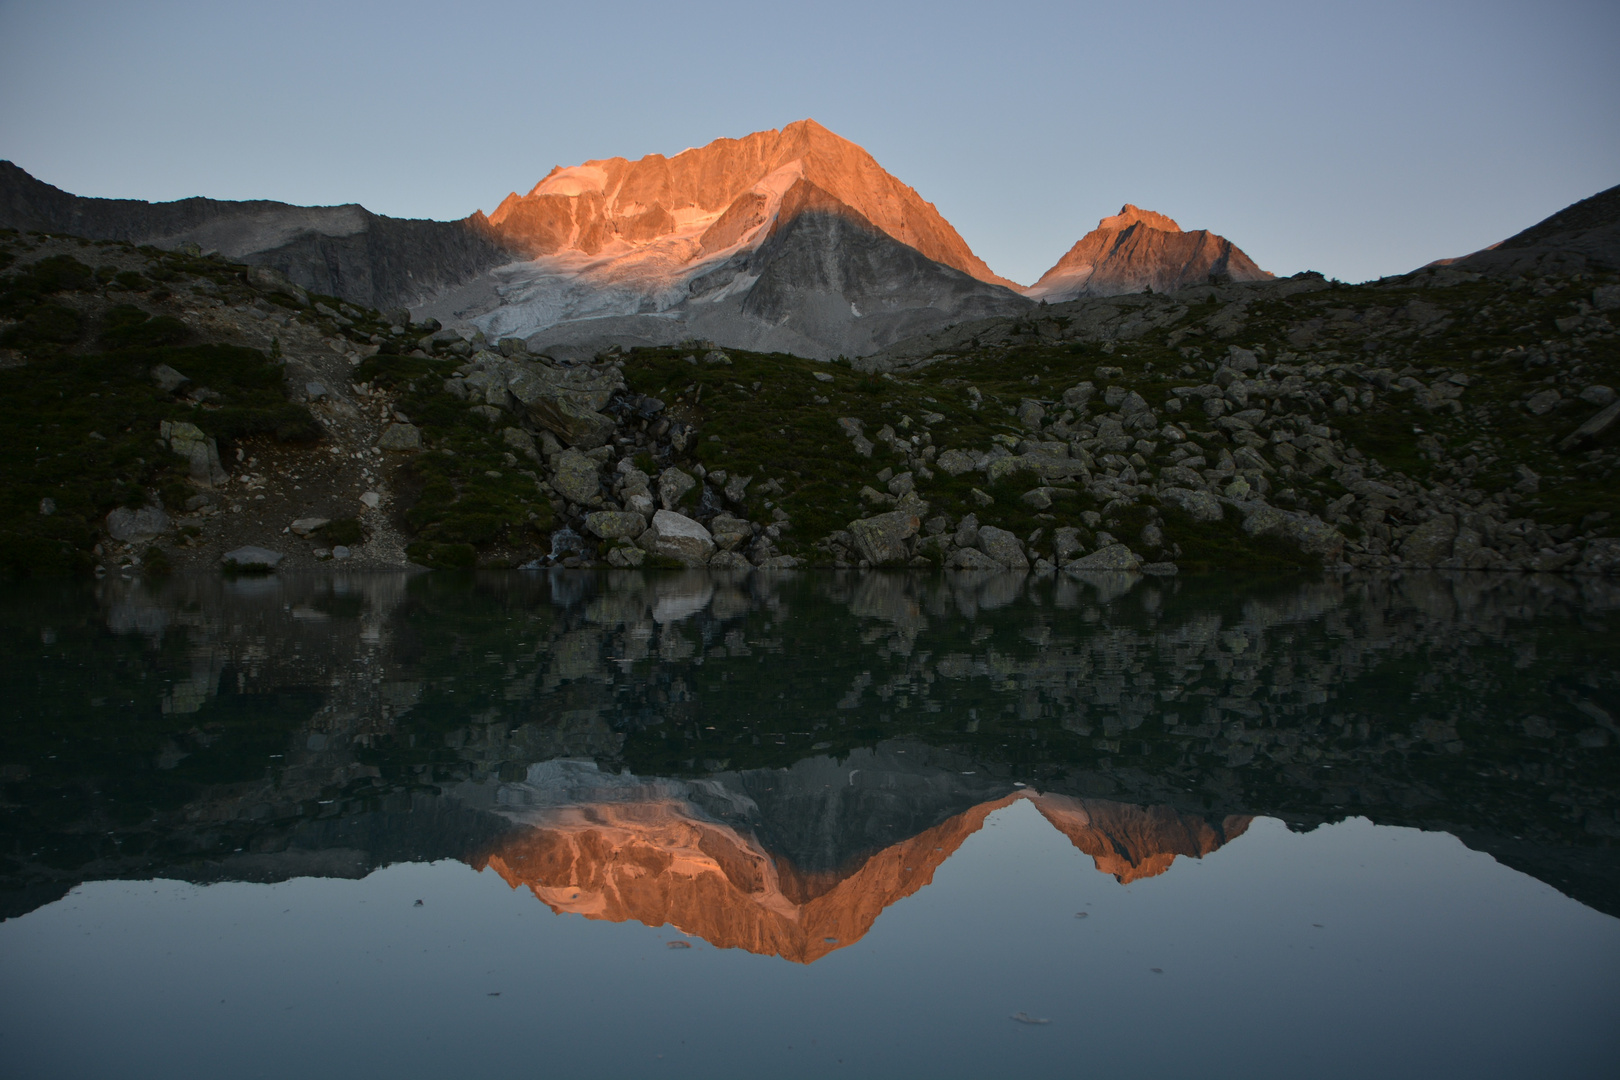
x=1357, y=139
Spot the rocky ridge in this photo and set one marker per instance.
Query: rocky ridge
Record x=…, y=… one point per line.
x=345, y=252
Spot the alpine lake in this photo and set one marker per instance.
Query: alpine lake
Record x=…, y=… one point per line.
x=810, y=824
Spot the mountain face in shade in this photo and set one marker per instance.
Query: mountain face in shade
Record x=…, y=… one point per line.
x=793, y=240
x=1137, y=250
x=712, y=858
x=1584, y=235
x=344, y=251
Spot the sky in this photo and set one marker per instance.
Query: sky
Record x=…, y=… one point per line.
x=1356, y=139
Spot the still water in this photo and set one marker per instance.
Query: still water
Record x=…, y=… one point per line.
x=680, y=824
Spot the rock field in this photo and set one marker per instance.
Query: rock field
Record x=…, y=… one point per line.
x=1444, y=419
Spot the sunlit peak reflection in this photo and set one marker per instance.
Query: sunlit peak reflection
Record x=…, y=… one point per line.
x=618, y=848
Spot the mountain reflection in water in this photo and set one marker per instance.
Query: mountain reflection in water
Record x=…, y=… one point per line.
x=689, y=854
x=770, y=761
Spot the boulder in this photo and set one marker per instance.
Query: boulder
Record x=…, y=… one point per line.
x=521, y=441
x=1311, y=535
x=1003, y=467
x=676, y=536
x=881, y=538
x=615, y=524
x=1264, y=520
x=1065, y=542
x=1076, y=397
x=954, y=462
x=730, y=532
x=729, y=560
x=305, y=526
x=1109, y=557
x=967, y=531
x=575, y=477
x=199, y=450
x=1315, y=537
x=972, y=559
x=567, y=402
x=252, y=558
x=626, y=557
x=1430, y=543
x=1544, y=402
x=400, y=438
x=1593, y=429
x=136, y=526
x=673, y=484
x=1003, y=547
x=1602, y=556
x=168, y=379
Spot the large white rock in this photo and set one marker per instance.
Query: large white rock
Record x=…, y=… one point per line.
x=678, y=537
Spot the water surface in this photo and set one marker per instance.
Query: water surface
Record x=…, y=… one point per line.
x=688, y=824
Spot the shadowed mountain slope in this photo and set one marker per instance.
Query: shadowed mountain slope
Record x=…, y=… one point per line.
x=1582, y=236
x=345, y=251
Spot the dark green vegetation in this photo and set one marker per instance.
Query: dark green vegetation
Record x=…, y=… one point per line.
x=79, y=420
x=469, y=491
x=158, y=731
x=80, y=405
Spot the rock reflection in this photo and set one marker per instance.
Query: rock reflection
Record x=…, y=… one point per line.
x=771, y=759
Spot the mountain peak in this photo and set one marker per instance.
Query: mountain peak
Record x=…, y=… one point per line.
x=618, y=207
x=1131, y=214
x=1119, y=257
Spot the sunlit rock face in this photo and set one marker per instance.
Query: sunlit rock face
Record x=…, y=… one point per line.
x=710, y=199
x=1136, y=250
x=659, y=852
x=796, y=240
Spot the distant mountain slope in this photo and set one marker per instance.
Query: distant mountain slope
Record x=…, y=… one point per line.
x=344, y=251
x=1138, y=250
x=1583, y=235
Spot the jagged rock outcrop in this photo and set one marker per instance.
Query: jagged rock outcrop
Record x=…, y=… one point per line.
x=1138, y=250
x=344, y=251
